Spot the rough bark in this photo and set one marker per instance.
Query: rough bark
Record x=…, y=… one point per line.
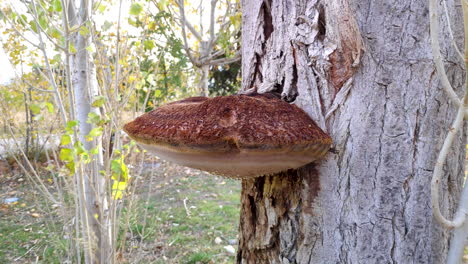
x=363, y=70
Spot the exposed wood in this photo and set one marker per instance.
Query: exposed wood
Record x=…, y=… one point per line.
x=377, y=94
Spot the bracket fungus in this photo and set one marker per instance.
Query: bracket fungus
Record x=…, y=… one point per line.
x=236, y=136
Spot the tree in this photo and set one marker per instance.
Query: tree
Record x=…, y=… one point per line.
x=91, y=177
x=363, y=70
x=214, y=47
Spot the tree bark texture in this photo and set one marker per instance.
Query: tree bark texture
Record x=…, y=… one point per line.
x=363, y=70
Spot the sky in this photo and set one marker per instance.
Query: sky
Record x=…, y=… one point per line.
x=6, y=70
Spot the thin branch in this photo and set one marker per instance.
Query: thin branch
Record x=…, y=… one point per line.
x=184, y=21
x=215, y=54
x=434, y=28
x=460, y=216
x=224, y=23
x=225, y=61
x=117, y=54
x=450, y=31
x=458, y=240
x=200, y=12
x=457, y=244
x=184, y=34
x=212, y=20
x=35, y=88
x=57, y=96
x=43, y=189
x=19, y=33
x=39, y=27
x=66, y=5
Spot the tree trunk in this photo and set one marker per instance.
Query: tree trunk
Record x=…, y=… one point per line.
x=91, y=185
x=204, y=68
x=363, y=70
x=204, y=72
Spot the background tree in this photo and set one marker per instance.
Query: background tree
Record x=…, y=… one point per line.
x=225, y=80
x=364, y=71
x=214, y=46
x=83, y=69
x=67, y=54
x=163, y=63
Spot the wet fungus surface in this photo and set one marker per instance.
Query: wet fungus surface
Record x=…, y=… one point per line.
x=237, y=136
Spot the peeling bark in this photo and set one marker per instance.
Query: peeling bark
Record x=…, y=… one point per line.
x=370, y=201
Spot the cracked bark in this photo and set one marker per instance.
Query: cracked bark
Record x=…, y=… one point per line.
x=370, y=201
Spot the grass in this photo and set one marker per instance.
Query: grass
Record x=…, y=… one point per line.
x=185, y=212
x=158, y=227
x=27, y=234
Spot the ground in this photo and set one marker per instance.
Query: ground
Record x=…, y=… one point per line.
x=178, y=215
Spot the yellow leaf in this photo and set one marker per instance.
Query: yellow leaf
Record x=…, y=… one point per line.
x=35, y=215
x=117, y=189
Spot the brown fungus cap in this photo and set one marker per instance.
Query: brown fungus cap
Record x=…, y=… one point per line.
x=237, y=136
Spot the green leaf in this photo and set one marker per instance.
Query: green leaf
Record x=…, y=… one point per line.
x=135, y=9
x=94, y=150
x=72, y=48
x=106, y=25
x=57, y=58
x=148, y=44
x=157, y=93
x=90, y=49
x=70, y=166
x=93, y=118
x=22, y=19
x=119, y=169
x=79, y=149
x=66, y=155
x=98, y=101
x=50, y=107
x=95, y=132
x=162, y=4
x=55, y=33
x=43, y=22
x=236, y=20
x=72, y=123
x=84, y=31
x=33, y=26
x=132, y=22
x=101, y=7
x=57, y=4
x=65, y=140
x=35, y=109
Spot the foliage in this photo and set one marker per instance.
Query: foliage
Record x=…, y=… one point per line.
x=135, y=62
x=225, y=80
x=163, y=67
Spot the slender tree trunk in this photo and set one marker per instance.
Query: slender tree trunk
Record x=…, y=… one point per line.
x=91, y=185
x=204, y=72
x=204, y=69
x=363, y=70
